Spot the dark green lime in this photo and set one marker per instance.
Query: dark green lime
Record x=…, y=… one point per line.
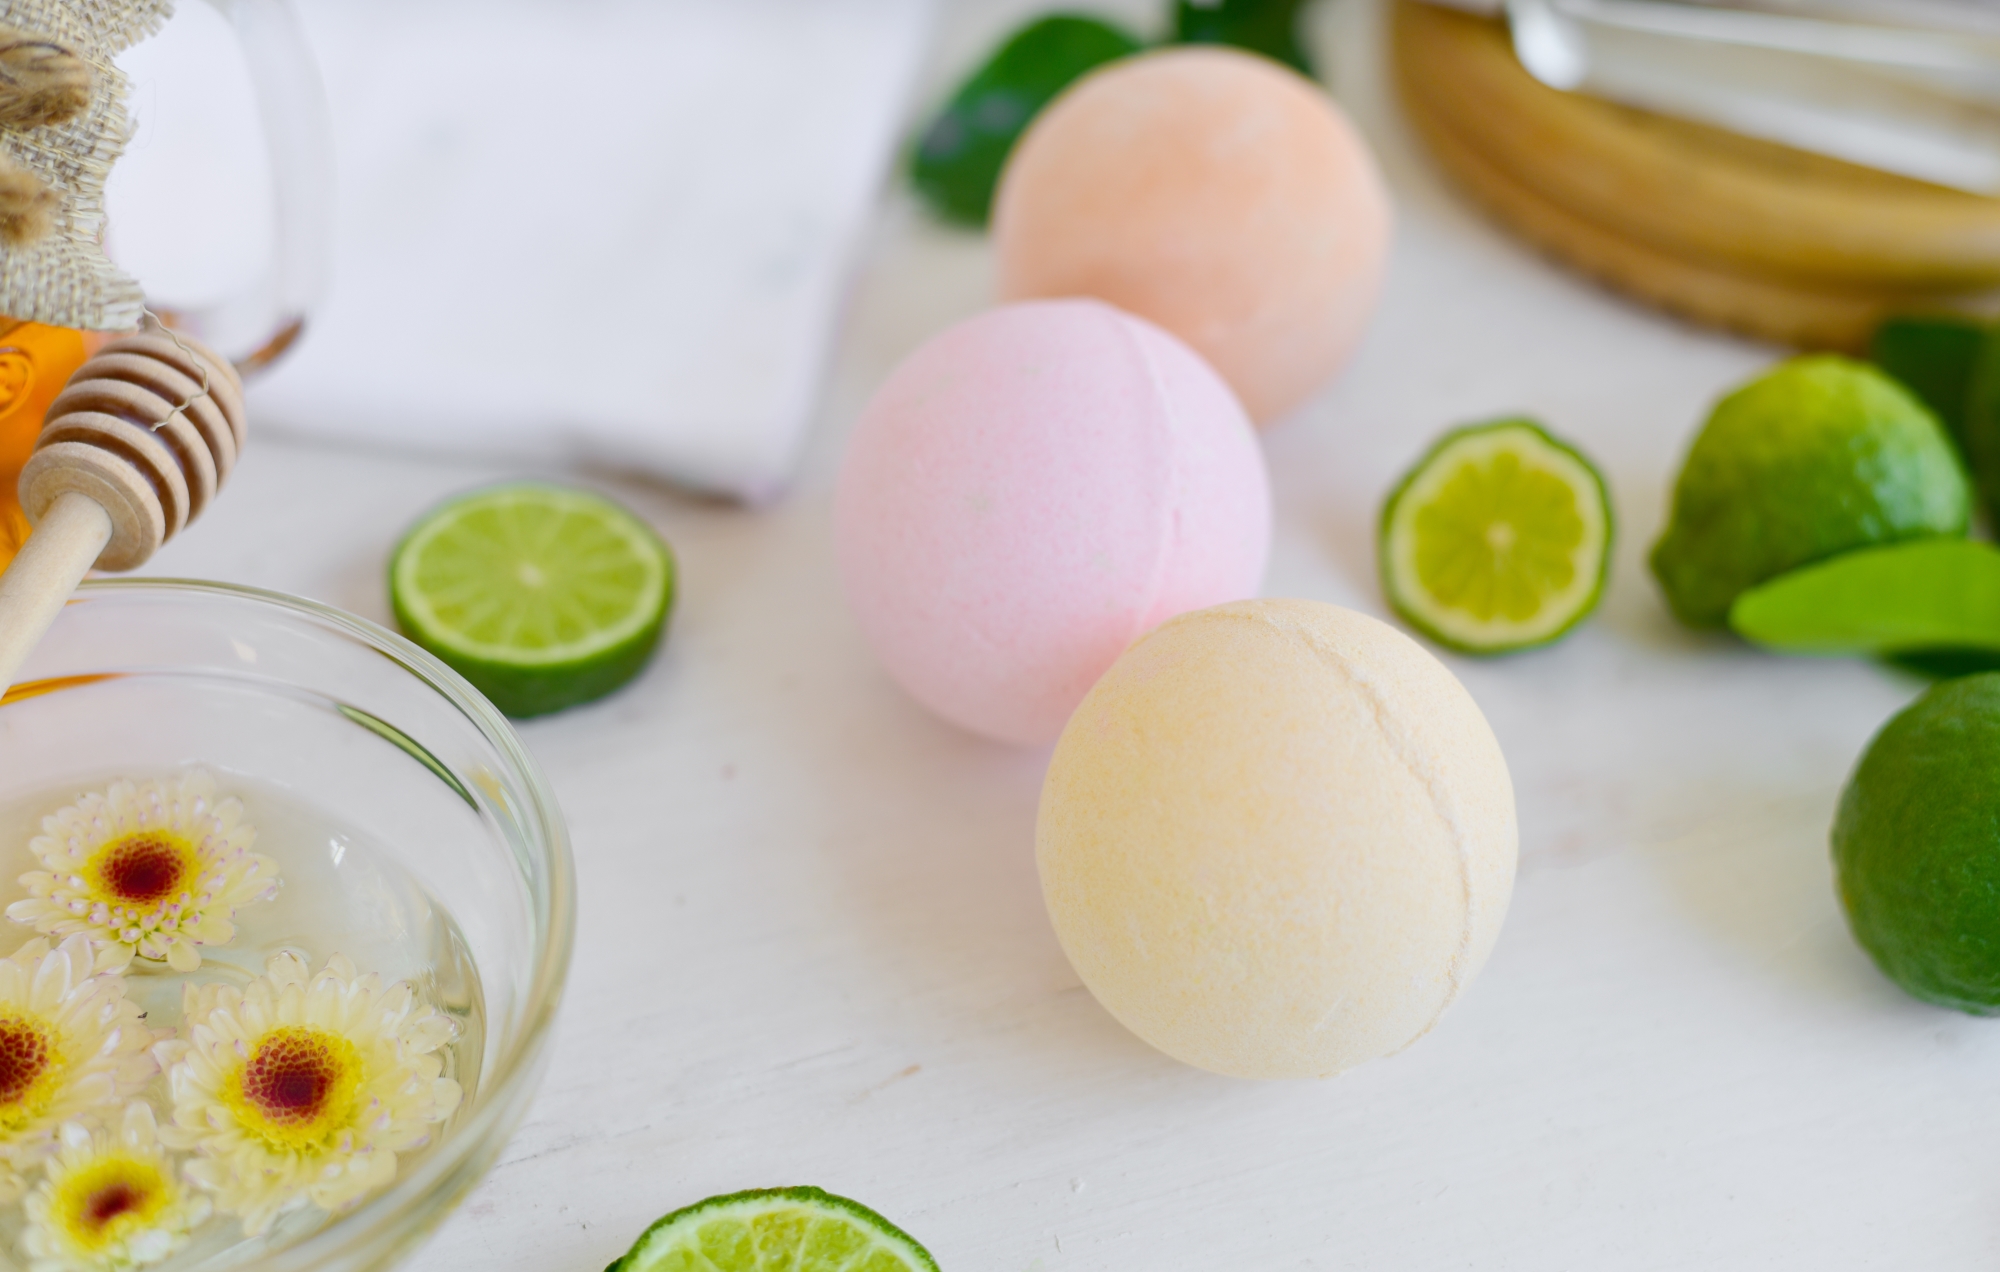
x=1916, y=846
x=1270, y=27
x=1818, y=456
x=959, y=157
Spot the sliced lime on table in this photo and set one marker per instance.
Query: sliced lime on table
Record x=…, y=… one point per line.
x=1499, y=539
x=775, y=1230
x=542, y=596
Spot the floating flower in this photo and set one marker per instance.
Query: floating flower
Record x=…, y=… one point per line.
x=302, y=1088
x=110, y=1201
x=157, y=869
x=72, y=1048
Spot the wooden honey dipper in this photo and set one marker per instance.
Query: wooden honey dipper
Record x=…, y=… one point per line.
x=134, y=448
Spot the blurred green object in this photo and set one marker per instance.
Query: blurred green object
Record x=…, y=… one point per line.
x=959, y=157
x=1935, y=356
x=1270, y=27
x=1982, y=421
x=1945, y=664
x=1928, y=596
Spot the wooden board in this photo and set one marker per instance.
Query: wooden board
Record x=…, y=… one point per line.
x=1723, y=229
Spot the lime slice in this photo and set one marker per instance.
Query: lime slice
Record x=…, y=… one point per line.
x=775, y=1230
x=1498, y=539
x=542, y=596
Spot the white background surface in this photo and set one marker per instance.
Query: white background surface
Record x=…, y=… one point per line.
x=813, y=949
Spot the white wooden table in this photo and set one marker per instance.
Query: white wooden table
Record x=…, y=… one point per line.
x=813, y=950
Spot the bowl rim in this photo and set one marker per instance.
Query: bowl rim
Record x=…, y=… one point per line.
x=419, y=1199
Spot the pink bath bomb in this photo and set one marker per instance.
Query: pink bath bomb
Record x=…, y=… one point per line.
x=1030, y=492
x=1218, y=194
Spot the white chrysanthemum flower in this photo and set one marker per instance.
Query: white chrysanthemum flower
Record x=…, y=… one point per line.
x=302, y=1088
x=111, y=1201
x=157, y=869
x=72, y=1048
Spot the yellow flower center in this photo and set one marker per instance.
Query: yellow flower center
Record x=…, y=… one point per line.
x=143, y=869
x=299, y=1086
x=29, y=1072
x=109, y=1200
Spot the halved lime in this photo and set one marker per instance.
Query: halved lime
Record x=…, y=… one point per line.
x=542, y=596
x=1499, y=539
x=775, y=1230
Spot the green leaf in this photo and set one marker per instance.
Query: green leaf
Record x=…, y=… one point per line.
x=1945, y=664
x=1270, y=27
x=1925, y=595
x=1935, y=356
x=1982, y=422
x=959, y=158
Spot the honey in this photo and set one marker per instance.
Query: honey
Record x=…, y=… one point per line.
x=35, y=362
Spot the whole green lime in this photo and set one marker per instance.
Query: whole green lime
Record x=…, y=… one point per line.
x=1819, y=456
x=1916, y=846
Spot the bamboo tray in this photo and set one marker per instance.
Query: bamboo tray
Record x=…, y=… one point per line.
x=1722, y=229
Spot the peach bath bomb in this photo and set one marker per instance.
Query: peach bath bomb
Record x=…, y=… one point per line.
x=1218, y=194
x=1030, y=492
x=1277, y=839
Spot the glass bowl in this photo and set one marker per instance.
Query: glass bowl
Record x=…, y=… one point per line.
x=149, y=675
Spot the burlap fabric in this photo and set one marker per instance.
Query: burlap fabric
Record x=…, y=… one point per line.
x=64, y=278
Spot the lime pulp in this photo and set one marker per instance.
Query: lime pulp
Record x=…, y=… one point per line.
x=775, y=1230
x=1499, y=539
x=542, y=596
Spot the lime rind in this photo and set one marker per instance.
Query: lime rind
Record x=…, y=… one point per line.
x=543, y=597
x=1401, y=537
x=775, y=1230
x=418, y=605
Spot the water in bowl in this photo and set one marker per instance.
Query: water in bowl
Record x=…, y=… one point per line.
x=342, y=892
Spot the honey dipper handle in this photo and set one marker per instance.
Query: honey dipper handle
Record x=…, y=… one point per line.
x=38, y=583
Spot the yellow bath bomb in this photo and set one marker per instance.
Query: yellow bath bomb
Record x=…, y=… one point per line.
x=1277, y=839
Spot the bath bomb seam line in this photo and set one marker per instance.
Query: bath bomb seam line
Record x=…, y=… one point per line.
x=1168, y=534
x=1398, y=746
